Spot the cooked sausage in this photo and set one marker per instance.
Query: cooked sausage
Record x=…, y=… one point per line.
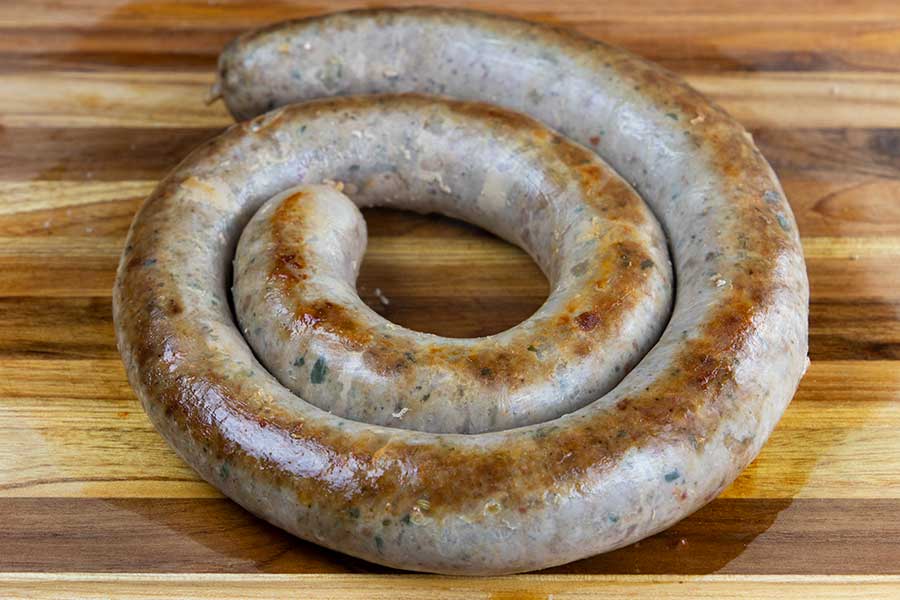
x=605, y=254
x=666, y=439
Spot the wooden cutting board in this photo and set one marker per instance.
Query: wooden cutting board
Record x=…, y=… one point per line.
x=99, y=99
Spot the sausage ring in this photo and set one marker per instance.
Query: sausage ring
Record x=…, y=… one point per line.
x=594, y=423
x=297, y=260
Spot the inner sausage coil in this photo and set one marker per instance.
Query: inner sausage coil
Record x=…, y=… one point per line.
x=673, y=338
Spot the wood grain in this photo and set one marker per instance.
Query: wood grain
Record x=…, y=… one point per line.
x=373, y=587
x=100, y=98
x=136, y=98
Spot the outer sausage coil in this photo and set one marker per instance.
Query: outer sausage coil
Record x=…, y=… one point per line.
x=591, y=425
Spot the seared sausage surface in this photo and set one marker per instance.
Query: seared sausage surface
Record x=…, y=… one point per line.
x=602, y=249
x=665, y=440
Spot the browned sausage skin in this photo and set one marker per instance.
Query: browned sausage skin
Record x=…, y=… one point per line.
x=601, y=247
x=677, y=429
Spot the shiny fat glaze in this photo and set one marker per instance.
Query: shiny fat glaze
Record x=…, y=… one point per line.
x=677, y=429
x=601, y=247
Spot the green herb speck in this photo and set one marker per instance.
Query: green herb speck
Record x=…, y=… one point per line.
x=405, y=520
x=613, y=518
x=531, y=348
x=299, y=361
x=672, y=116
x=379, y=543
x=782, y=220
x=354, y=512
x=317, y=374
x=539, y=434
x=223, y=471
x=646, y=264
x=672, y=475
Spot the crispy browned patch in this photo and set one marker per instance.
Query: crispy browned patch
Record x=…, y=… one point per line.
x=334, y=319
x=288, y=265
x=587, y=320
x=175, y=307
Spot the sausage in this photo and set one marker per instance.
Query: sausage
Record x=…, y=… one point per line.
x=601, y=247
x=666, y=439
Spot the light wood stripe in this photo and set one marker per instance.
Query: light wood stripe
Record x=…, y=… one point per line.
x=852, y=248
x=130, y=99
x=831, y=210
x=153, y=99
x=802, y=99
x=19, y=197
x=73, y=428
x=246, y=14
x=485, y=249
x=77, y=586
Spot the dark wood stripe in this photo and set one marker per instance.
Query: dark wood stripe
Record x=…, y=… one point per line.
x=101, y=49
x=53, y=328
x=841, y=182
x=81, y=328
x=152, y=535
x=215, y=535
x=854, y=330
x=103, y=218
x=865, y=152
x=458, y=315
x=114, y=153
x=84, y=276
x=91, y=274
x=859, y=280
x=799, y=536
x=94, y=154
x=683, y=46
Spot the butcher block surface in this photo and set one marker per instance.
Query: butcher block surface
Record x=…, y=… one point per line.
x=98, y=100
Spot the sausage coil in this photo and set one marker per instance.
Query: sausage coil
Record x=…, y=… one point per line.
x=674, y=336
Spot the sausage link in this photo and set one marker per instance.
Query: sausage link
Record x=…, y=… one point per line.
x=666, y=439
